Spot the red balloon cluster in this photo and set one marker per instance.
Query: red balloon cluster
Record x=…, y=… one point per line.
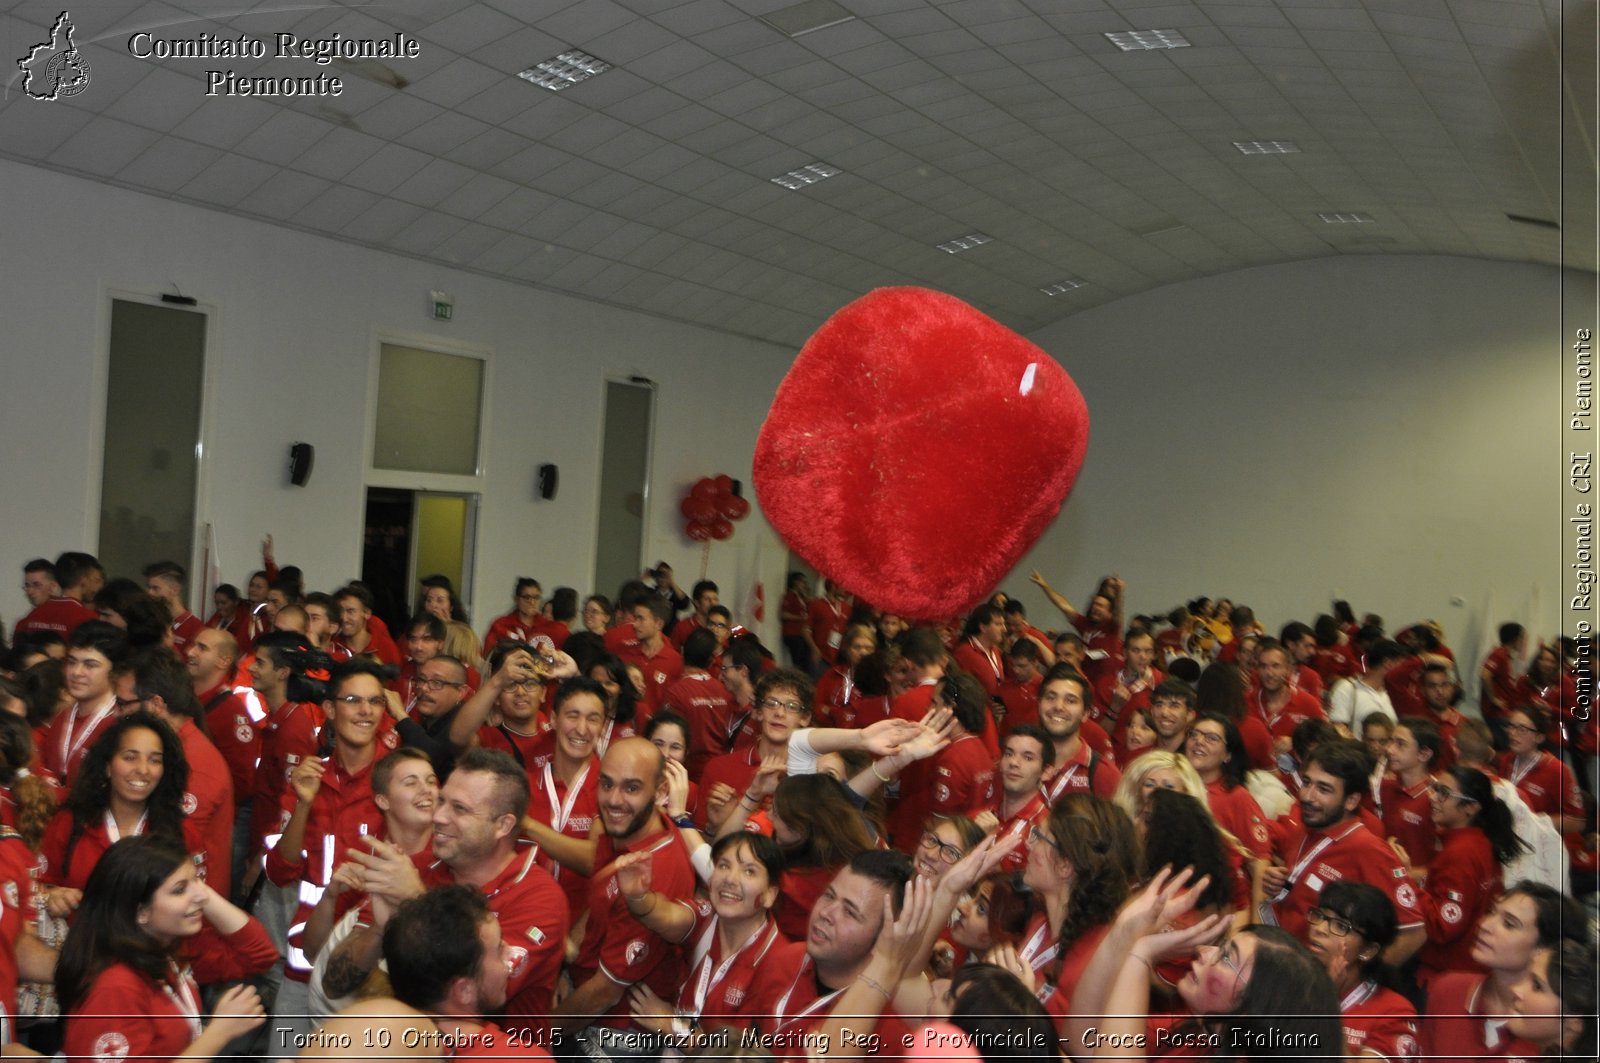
x=711, y=507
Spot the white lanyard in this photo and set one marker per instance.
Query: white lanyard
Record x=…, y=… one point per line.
x=1357, y=996
x=116, y=835
x=1305, y=861
x=70, y=748
x=184, y=998
x=1032, y=952
x=989, y=655
x=1518, y=774
x=605, y=741
x=708, y=980
x=783, y=1002
x=561, y=811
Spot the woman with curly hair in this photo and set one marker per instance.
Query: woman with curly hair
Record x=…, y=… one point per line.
x=26, y=803
x=131, y=782
x=819, y=830
x=1082, y=862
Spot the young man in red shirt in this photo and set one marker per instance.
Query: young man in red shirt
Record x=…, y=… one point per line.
x=1122, y=693
x=704, y=596
x=94, y=650
x=1171, y=713
x=39, y=582
x=1301, y=642
x=164, y=582
x=357, y=634
x=699, y=697
x=231, y=719
x=1064, y=701
x=979, y=652
x=925, y=653
x=1331, y=845
x=1019, y=693
x=516, y=688
x=1405, y=793
x=654, y=655
x=1278, y=704
x=523, y=622
x=564, y=778
x=1100, y=628
x=79, y=578
x=617, y=951
x=1018, y=630
x=1026, y=757
x=826, y=618
x=289, y=734
x=1497, y=679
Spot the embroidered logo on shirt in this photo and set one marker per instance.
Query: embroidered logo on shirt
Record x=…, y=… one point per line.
x=191, y=804
x=1405, y=895
x=516, y=959
x=110, y=1046
x=1451, y=912
x=635, y=952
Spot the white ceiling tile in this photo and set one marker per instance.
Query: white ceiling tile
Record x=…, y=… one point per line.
x=473, y=28
x=457, y=81
x=228, y=180
x=387, y=168
x=381, y=221
x=103, y=147
x=169, y=165
x=335, y=208
x=285, y=196
x=339, y=152
x=284, y=137
x=36, y=132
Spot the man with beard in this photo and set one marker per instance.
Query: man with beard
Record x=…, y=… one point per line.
x=1063, y=707
x=1027, y=755
x=1331, y=845
x=617, y=950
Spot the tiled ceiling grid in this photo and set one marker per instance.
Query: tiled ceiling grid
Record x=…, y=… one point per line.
x=649, y=185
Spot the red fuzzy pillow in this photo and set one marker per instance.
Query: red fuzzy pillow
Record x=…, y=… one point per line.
x=917, y=449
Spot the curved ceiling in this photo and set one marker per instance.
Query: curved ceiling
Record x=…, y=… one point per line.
x=1452, y=126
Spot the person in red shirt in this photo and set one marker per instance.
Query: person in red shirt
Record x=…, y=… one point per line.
x=980, y=651
x=794, y=617
x=523, y=622
x=231, y=719
x=836, y=688
x=1171, y=713
x=1543, y=779
x=475, y=839
x=1019, y=692
x=654, y=655
x=564, y=780
x=289, y=734
x=1466, y=1013
x=447, y=955
x=1063, y=708
x=704, y=596
x=1019, y=804
x=1301, y=642
x=94, y=650
x=331, y=810
x=1497, y=679
x=515, y=690
x=1476, y=839
x=1547, y=684
x=826, y=619
x=617, y=951
x=957, y=781
x=39, y=583
x=1405, y=794
x=155, y=681
x=357, y=631
x=164, y=581
x=1100, y=627
x=783, y=705
x=1018, y=630
x=923, y=650
x=1216, y=750
x=1119, y=693
x=79, y=577
x=1278, y=704
x=699, y=697
x=1348, y=931
x=148, y=937
x=1333, y=658
x=1331, y=845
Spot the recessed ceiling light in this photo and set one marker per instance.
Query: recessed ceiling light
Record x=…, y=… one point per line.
x=809, y=174
x=808, y=17
x=1346, y=218
x=564, y=71
x=1146, y=40
x=964, y=243
x=1061, y=287
x=1267, y=147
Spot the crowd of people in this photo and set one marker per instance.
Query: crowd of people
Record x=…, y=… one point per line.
x=624, y=828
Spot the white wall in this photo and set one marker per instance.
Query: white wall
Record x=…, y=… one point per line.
x=1385, y=429
x=295, y=321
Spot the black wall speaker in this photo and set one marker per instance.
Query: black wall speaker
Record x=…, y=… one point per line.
x=549, y=478
x=300, y=456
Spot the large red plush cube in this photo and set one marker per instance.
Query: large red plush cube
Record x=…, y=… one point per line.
x=917, y=449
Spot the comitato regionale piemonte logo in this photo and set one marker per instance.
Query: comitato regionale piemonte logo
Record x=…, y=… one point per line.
x=55, y=69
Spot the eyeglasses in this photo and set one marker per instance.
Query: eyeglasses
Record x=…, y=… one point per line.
x=525, y=685
x=1037, y=836
x=529, y=597
x=356, y=700
x=129, y=704
x=1338, y=926
x=439, y=684
x=793, y=708
x=1210, y=738
x=1521, y=728
x=948, y=853
x=1444, y=791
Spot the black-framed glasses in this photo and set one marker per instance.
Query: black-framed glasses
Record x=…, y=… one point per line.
x=438, y=684
x=947, y=852
x=1337, y=925
x=1444, y=791
x=1037, y=836
x=793, y=708
x=1521, y=728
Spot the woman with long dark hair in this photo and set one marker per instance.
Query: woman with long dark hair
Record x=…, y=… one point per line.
x=26, y=804
x=1476, y=840
x=1256, y=995
x=131, y=782
x=1555, y=1007
x=131, y=970
x=819, y=830
x=1216, y=749
x=622, y=700
x=1349, y=929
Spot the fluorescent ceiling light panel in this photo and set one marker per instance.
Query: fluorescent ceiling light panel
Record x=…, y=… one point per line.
x=1148, y=40
x=564, y=71
x=1267, y=147
x=1346, y=218
x=809, y=17
x=1061, y=287
x=964, y=243
x=809, y=174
